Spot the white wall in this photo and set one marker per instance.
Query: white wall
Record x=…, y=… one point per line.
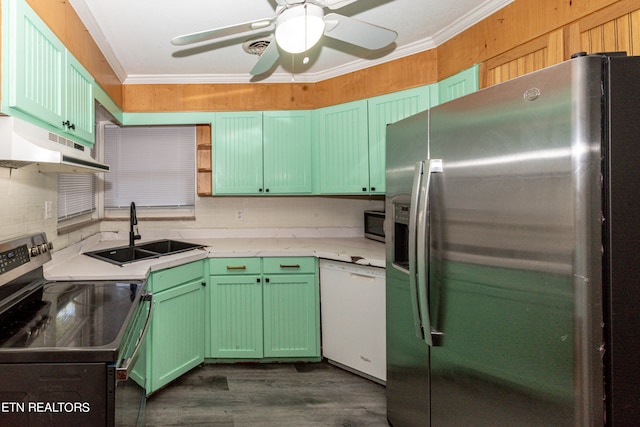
x=23, y=193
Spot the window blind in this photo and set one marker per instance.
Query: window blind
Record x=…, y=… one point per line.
x=153, y=166
x=76, y=194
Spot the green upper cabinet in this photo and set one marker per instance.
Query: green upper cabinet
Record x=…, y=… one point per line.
x=45, y=83
x=384, y=110
x=343, y=149
x=79, y=102
x=463, y=83
x=237, y=153
x=262, y=153
x=287, y=152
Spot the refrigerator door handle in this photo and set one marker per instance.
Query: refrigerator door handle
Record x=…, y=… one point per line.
x=413, y=220
x=423, y=253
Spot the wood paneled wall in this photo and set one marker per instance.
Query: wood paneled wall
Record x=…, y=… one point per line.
x=614, y=28
x=65, y=23
x=524, y=36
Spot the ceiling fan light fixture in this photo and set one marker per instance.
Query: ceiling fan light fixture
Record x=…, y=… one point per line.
x=299, y=28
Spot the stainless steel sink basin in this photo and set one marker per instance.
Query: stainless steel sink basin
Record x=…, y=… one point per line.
x=127, y=254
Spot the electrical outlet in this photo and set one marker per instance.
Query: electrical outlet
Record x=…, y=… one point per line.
x=239, y=215
x=48, y=207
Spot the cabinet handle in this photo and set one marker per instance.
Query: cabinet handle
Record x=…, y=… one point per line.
x=266, y=279
x=364, y=188
x=203, y=283
x=259, y=190
x=68, y=125
x=373, y=188
x=289, y=265
x=266, y=191
x=236, y=267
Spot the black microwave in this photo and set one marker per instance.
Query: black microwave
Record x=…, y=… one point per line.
x=374, y=225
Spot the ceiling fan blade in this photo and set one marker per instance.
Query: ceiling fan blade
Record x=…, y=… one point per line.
x=266, y=60
x=221, y=32
x=290, y=2
x=335, y=4
x=357, y=32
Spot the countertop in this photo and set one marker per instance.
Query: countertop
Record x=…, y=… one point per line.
x=334, y=244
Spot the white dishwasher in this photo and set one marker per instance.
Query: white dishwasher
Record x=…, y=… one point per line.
x=352, y=303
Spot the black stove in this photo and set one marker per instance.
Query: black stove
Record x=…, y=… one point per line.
x=64, y=339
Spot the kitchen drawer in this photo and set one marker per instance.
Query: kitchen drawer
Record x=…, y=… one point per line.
x=165, y=279
x=233, y=266
x=292, y=265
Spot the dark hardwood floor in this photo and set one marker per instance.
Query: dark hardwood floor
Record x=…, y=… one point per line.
x=243, y=395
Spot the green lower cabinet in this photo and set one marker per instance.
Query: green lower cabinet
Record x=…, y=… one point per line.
x=290, y=315
x=175, y=341
x=236, y=316
x=264, y=308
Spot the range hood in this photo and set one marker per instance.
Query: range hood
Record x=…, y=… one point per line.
x=22, y=143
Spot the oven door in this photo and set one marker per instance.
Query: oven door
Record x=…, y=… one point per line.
x=130, y=395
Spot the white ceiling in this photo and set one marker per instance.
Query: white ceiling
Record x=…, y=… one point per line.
x=134, y=36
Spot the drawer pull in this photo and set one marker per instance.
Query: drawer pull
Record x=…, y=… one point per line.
x=236, y=267
x=289, y=265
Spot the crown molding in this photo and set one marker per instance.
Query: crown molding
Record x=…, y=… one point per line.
x=89, y=21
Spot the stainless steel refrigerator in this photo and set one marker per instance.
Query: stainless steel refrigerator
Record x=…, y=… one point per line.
x=513, y=215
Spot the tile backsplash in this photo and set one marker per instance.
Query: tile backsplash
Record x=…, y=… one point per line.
x=24, y=192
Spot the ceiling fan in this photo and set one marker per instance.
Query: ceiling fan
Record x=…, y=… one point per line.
x=299, y=25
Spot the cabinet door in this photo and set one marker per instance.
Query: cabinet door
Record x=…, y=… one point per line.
x=463, y=83
x=79, y=101
x=287, y=152
x=343, y=149
x=382, y=111
x=236, y=316
x=37, y=61
x=177, y=334
x=237, y=153
x=291, y=316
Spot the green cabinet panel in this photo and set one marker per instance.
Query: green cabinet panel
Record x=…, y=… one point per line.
x=37, y=61
x=45, y=83
x=291, y=315
x=273, y=314
x=289, y=265
x=177, y=334
x=79, y=101
x=235, y=266
x=237, y=153
x=287, y=152
x=169, y=277
x=175, y=341
x=463, y=83
x=343, y=157
x=262, y=153
x=236, y=316
x=384, y=110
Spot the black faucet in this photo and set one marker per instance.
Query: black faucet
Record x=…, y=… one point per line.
x=133, y=220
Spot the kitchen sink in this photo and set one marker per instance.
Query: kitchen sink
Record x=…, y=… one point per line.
x=168, y=246
x=127, y=254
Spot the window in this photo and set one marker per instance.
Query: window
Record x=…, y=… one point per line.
x=153, y=166
x=76, y=194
